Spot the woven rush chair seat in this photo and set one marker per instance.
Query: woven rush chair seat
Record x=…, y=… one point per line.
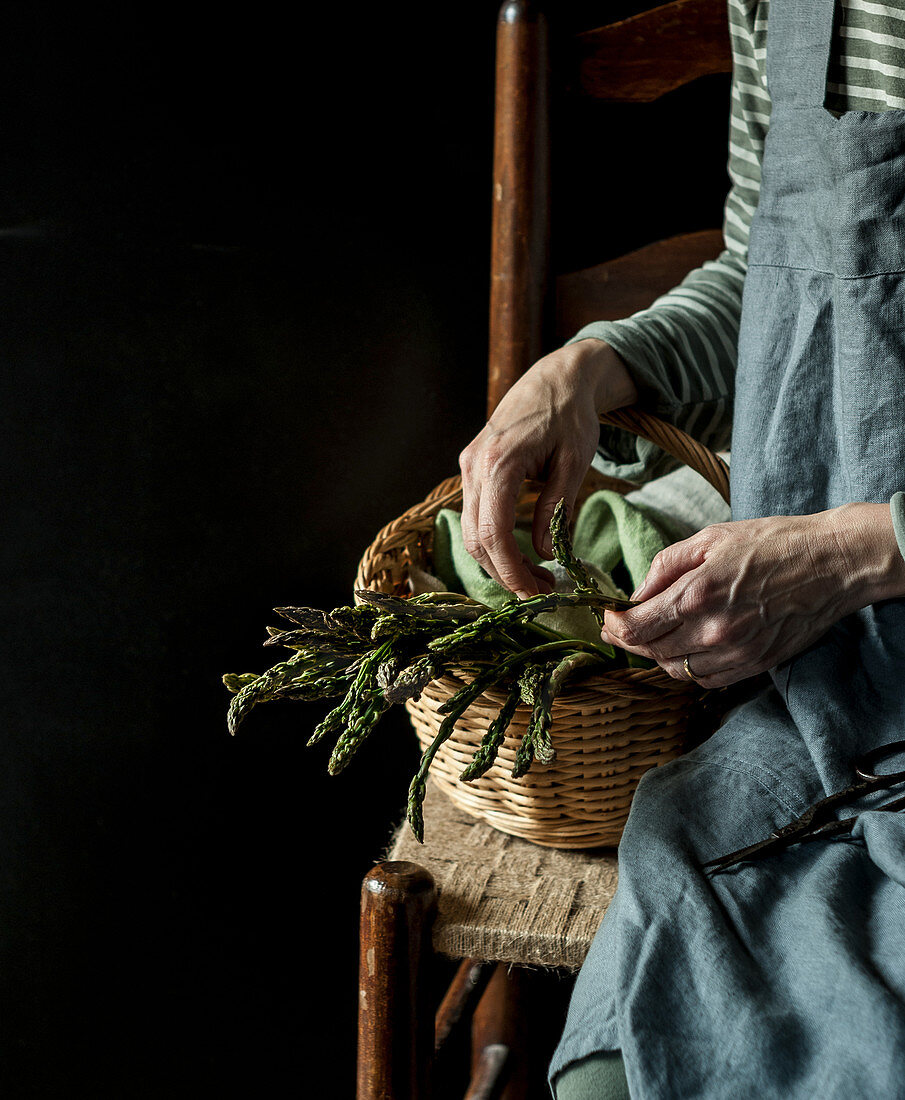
x=503, y=899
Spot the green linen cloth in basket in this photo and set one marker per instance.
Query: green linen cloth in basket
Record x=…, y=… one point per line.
x=611, y=533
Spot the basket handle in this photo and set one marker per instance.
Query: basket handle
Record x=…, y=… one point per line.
x=679, y=444
x=675, y=442
x=378, y=565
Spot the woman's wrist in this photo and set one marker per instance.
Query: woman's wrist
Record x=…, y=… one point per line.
x=613, y=386
x=874, y=565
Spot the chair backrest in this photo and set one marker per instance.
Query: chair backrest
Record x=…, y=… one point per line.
x=636, y=60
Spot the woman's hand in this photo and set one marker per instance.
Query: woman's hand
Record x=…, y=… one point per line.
x=546, y=427
x=738, y=598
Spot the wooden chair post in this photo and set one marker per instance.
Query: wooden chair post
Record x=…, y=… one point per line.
x=395, y=1014
x=521, y=196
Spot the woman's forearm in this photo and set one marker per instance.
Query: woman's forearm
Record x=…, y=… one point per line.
x=876, y=567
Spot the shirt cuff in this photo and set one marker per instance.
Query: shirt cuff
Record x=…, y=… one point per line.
x=624, y=455
x=897, y=510
x=620, y=453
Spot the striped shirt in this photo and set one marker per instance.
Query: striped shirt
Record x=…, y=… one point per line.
x=681, y=351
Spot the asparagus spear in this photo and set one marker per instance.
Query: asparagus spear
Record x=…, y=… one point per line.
x=327, y=642
x=486, y=753
x=578, y=573
x=349, y=712
x=537, y=731
x=453, y=709
x=453, y=607
x=538, y=734
x=413, y=680
x=516, y=610
x=259, y=690
x=235, y=681
x=354, y=621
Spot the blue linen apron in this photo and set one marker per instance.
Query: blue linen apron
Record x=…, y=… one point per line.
x=785, y=978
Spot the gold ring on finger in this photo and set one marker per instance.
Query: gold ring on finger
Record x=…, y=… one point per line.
x=688, y=672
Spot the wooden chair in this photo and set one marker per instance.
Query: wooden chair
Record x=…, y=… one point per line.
x=473, y=893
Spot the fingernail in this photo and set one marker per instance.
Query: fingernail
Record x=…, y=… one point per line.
x=605, y=636
x=638, y=594
x=547, y=546
x=522, y=595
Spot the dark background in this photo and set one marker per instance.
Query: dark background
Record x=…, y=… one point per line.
x=243, y=287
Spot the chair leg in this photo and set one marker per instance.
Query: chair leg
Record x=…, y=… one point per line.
x=499, y=1055
x=395, y=1016
x=464, y=992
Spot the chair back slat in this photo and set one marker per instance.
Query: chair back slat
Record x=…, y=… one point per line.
x=642, y=58
x=621, y=287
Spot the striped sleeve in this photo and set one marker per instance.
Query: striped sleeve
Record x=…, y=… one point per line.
x=681, y=355
x=681, y=351
x=867, y=69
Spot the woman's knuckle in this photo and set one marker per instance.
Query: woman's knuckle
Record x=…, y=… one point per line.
x=716, y=633
x=473, y=546
x=734, y=632
x=570, y=462
x=693, y=598
x=492, y=457
x=659, y=564
x=508, y=578
x=489, y=535
x=715, y=533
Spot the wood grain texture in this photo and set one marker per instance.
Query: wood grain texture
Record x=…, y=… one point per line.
x=395, y=1017
x=640, y=59
x=498, y=1053
x=463, y=993
x=621, y=287
x=519, y=259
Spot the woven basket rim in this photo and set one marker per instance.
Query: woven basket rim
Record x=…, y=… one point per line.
x=625, y=679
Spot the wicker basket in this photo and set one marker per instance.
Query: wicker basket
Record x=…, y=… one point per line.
x=607, y=730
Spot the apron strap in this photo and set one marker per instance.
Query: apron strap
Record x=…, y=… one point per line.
x=799, y=40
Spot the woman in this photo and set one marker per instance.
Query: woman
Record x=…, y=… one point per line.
x=784, y=977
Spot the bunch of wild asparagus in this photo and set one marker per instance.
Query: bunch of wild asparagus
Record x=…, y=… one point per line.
x=386, y=650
